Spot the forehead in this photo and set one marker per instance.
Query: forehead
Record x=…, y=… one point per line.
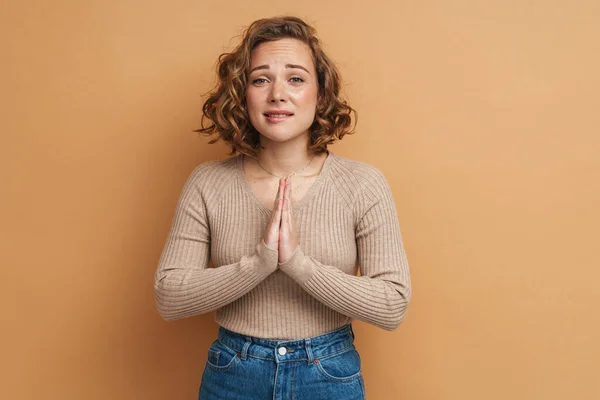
x=284, y=51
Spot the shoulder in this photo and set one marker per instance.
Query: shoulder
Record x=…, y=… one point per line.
x=216, y=169
x=356, y=174
x=359, y=183
x=211, y=177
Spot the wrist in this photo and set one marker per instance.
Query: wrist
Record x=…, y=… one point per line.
x=299, y=267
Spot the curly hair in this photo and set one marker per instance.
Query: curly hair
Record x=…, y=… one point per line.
x=224, y=111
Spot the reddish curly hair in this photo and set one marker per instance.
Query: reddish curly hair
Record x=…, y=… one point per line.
x=224, y=111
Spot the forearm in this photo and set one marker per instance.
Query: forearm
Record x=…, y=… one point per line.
x=381, y=301
x=183, y=292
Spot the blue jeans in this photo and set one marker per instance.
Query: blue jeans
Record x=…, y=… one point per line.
x=324, y=367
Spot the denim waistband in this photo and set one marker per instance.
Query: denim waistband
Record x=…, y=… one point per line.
x=309, y=349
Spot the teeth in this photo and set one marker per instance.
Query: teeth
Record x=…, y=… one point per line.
x=277, y=115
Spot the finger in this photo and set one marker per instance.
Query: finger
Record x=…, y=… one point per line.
x=288, y=187
x=285, y=214
x=279, y=191
x=277, y=214
x=277, y=203
x=288, y=208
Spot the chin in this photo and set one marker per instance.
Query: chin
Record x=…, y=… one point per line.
x=281, y=137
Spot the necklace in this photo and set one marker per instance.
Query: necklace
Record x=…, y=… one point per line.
x=290, y=175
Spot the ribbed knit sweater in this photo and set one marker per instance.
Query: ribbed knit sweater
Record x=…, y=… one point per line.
x=346, y=221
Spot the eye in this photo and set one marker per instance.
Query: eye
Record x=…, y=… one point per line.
x=296, y=79
x=259, y=81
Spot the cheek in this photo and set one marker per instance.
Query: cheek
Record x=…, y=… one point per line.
x=252, y=99
x=307, y=99
x=249, y=101
x=251, y=107
x=254, y=94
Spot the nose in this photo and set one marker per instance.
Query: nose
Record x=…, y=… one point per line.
x=278, y=93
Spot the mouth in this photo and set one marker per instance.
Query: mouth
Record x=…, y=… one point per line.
x=278, y=116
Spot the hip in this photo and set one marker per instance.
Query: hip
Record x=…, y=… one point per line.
x=321, y=367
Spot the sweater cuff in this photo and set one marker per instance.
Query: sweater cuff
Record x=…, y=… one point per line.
x=267, y=259
x=298, y=267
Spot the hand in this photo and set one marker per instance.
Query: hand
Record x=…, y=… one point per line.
x=288, y=238
x=272, y=232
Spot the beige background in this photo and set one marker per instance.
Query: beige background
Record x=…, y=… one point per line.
x=483, y=115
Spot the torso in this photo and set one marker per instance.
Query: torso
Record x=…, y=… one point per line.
x=328, y=204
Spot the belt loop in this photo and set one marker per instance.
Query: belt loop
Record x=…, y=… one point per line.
x=309, y=353
x=245, y=350
x=352, y=332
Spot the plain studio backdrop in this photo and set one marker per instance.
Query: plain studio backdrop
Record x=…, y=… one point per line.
x=483, y=115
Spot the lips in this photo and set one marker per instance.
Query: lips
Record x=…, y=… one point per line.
x=278, y=114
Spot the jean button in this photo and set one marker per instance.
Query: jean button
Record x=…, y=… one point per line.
x=282, y=351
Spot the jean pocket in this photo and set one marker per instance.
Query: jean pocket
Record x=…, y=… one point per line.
x=221, y=357
x=341, y=367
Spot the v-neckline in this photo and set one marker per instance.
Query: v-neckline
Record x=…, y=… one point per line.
x=298, y=205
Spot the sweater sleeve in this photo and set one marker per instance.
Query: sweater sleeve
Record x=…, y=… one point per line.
x=381, y=294
x=184, y=285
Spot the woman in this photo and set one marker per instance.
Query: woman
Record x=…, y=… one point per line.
x=285, y=223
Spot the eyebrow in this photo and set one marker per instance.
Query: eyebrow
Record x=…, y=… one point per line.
x=286, y=65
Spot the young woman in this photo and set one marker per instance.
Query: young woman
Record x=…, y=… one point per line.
x=287, y=224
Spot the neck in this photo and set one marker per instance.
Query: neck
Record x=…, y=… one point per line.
x=283, y=159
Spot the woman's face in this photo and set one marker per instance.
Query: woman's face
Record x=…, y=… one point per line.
x=282, y=89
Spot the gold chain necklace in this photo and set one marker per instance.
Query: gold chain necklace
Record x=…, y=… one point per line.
x=290, y=175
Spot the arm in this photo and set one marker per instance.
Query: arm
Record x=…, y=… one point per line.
x=381, y=294
x=184, y=284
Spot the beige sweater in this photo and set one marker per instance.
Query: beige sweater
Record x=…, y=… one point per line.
x=346, y=220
